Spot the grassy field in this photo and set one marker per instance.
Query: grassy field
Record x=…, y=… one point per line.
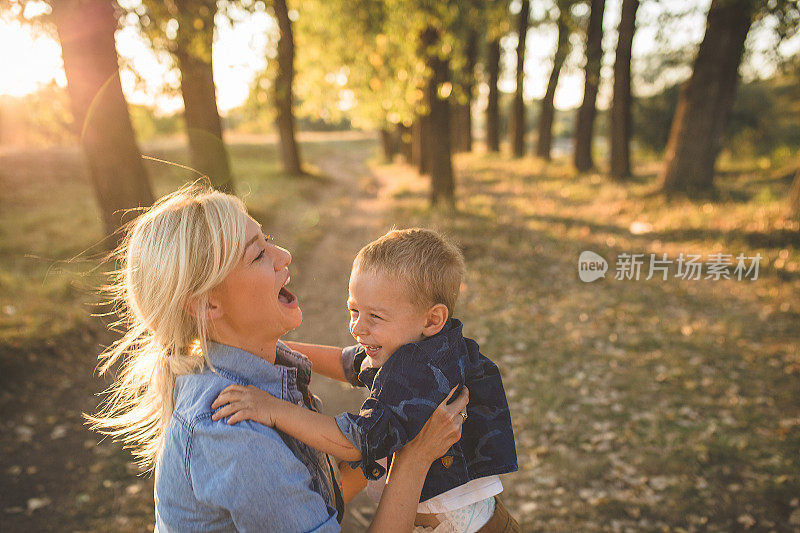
x=649, y=405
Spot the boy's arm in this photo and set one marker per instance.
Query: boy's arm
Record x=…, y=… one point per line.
x=315, y=429
x=341, y=364
x=326, y=360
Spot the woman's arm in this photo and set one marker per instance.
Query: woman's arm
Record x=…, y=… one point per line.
x=398, y=506
x=326, y=360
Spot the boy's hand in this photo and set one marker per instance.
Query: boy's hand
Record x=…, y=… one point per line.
x=246, y=403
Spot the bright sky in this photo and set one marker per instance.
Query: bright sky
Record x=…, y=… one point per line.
x=240, y=51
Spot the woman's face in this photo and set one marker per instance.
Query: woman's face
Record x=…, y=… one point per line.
x=252, y=301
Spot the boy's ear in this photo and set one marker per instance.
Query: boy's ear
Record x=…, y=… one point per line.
x=208, y=308
x=435, y=319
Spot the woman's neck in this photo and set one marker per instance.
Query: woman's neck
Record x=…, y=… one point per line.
x=263, y=348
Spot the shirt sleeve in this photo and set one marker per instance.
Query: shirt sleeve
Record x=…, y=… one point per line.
x=247, y=470
x=352, y=356
x=404, y=395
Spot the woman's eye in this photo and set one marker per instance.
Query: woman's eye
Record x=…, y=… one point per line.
x=259, y=256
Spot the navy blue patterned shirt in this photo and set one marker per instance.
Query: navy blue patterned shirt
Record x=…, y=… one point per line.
x=407, y=389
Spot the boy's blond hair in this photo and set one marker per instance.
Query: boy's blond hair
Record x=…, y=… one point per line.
x=431, y=267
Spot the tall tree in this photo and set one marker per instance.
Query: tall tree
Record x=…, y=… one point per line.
x=437, y=95
x=119, y=180
x=794, y=197
x=517, y=119
x=185, y=29
x=419, y=142
x=544, y=142
x=584, y=127
x=462, y=110
x=492, y=104
x=706, y=99
x=283, y=90
x=193, y=50
x=496, y=24
x=620, y=124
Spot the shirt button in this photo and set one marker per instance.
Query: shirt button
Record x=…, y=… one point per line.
x=376, y=472
x=300, y=402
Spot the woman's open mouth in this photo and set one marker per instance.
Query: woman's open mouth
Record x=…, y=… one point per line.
x=286, y=298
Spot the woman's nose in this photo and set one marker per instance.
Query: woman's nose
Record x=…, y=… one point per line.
x=281, y=257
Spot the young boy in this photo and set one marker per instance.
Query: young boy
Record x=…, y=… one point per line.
x=410, y=353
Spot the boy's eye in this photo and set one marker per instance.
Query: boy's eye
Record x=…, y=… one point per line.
x=373, y=315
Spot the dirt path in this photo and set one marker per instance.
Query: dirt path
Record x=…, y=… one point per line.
x=351, y=215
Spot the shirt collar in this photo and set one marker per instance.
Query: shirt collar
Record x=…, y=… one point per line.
x=256, y=371
x=450, y=331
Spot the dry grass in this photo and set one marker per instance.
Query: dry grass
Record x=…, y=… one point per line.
x=640, y=405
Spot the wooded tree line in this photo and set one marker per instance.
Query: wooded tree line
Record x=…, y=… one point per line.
x=412, y=69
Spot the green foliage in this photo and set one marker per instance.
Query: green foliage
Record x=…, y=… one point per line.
x=765, y=116
x=652, y=118
x=363, y=59
x=149, y=125
x=40, y=118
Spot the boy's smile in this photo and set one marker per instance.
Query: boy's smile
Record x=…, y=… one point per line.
x=382, y=316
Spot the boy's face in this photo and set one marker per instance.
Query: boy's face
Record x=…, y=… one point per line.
x=382, y=316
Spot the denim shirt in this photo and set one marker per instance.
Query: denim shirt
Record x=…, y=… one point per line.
x=406, y=390
x=247, y=477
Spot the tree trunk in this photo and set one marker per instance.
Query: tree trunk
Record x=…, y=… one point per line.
x=492, y=107
x=118, y=177
x=404, y=138
x=420, y=133
x=517, y=121
x=388, y=144
x=193, y=43
x=620, y=134
x=706, y=99
x=439, y=141
x=463, y=110
x=544, y=143
x=584, y=127
x=794, y=197
x=283, y=91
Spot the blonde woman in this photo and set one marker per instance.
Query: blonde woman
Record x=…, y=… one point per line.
x=203, y=295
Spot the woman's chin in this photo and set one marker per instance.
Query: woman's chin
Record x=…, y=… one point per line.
x=294, y=318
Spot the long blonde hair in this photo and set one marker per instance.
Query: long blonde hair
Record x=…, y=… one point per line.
x=172, y=254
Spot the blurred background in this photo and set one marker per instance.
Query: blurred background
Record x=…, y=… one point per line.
x=528, y=131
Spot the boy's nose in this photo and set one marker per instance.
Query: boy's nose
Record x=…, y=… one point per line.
x=357, y=328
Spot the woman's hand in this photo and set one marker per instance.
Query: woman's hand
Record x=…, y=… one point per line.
x=246, y=403
x=398, y=505
x=442, y=430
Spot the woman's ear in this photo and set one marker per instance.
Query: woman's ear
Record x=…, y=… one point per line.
x=435, y=319
x=208, y=308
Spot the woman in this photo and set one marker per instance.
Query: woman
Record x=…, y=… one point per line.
x=203, y=295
